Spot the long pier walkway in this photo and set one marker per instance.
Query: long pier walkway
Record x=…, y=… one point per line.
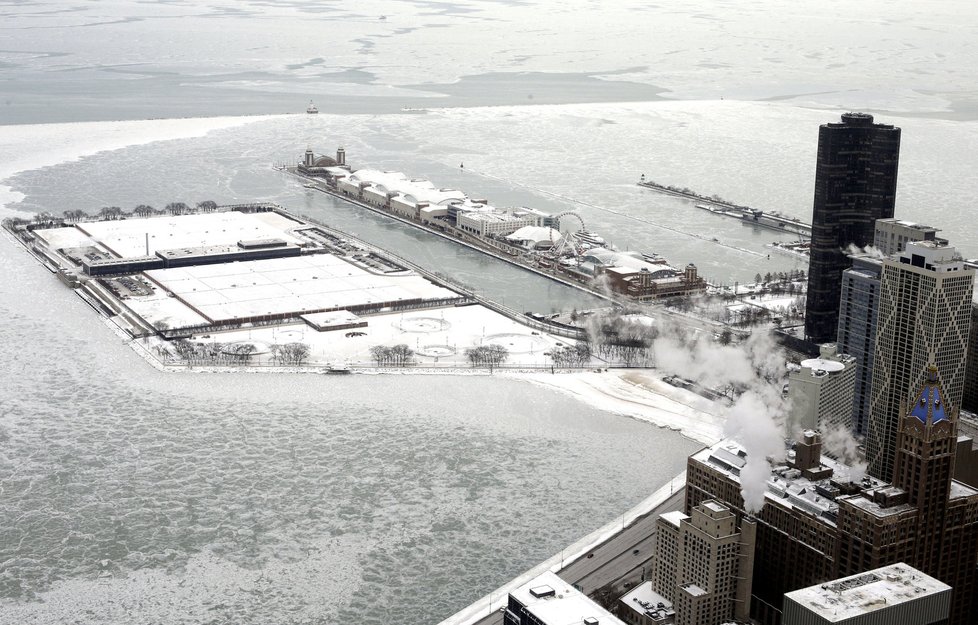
x=746, y=214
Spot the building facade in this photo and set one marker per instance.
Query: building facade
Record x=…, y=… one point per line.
x=969, y=401
x=820, y=392
x=924, y=317
x=892, y=235
x=706, y=551
x=855, y=184
x=822, y=520
x=858, y=308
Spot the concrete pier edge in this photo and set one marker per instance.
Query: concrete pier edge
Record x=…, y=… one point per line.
x=497, y=598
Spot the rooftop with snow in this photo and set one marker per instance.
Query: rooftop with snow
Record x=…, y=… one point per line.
x=848, y=597
x=552, y=601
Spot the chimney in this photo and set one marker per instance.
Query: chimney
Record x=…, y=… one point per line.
x=808, y=451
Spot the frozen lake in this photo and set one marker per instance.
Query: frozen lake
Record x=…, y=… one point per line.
x=129, y=496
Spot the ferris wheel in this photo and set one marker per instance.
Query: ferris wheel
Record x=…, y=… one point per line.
x=565, y=228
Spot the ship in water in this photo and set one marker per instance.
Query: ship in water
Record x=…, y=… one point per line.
x=311, y=109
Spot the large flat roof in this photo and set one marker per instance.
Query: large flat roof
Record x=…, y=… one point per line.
x=858, y=594
x=128, y=237
x=786, y=487
x=565, y=606
x=300, y=284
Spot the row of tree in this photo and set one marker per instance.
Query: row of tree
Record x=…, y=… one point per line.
x=216, y=353
x=115, y=212
x=781, y=277
x=619, y=338
x=396, y=356
x=487, y=356
x=577, y=355
x=293, y=354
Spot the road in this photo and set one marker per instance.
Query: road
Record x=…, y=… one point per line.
x=615, y=561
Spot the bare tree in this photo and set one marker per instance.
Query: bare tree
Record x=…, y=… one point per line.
x=487, y=355
x=398, y=356
x=207, y=206
x=176, y=208
x=243, y=352
x=293, y=353
x=380, y=354
x=109, y=212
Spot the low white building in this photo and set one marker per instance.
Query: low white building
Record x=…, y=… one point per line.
x=897, y=593
x=549, y=600
x=534, y=237
x=493, y=221
x=397, y=191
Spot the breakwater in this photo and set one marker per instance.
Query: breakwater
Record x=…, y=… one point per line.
x=771, y=220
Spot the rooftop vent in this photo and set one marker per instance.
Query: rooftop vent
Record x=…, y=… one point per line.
x=590, y=621
x=542, y=591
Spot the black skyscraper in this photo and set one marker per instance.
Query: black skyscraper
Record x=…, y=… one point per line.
x=855, y=184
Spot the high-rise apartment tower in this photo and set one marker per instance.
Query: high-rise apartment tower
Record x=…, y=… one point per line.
x=855, y=184
x=859, y=303
x=924, y=317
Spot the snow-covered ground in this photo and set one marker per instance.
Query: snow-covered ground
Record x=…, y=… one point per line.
x=439, y=338
x=642, y=394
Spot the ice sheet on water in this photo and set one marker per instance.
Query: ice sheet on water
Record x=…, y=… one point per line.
x=147, y=497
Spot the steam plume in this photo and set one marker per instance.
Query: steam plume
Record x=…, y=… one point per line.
x=754, y=421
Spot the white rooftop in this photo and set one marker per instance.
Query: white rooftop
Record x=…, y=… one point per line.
x=823, y=364
x=852, y=596
x=786, y=486
x=414, y=190
x=286, y=285
x=566, y=606
x=674, y=518
x=535, y=233
x=643, y=600
x=128, y=237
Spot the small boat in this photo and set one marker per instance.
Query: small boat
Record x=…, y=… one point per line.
x=311, y=109
x=339, y=369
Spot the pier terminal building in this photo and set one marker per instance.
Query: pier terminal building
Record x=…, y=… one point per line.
x=525, y=235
